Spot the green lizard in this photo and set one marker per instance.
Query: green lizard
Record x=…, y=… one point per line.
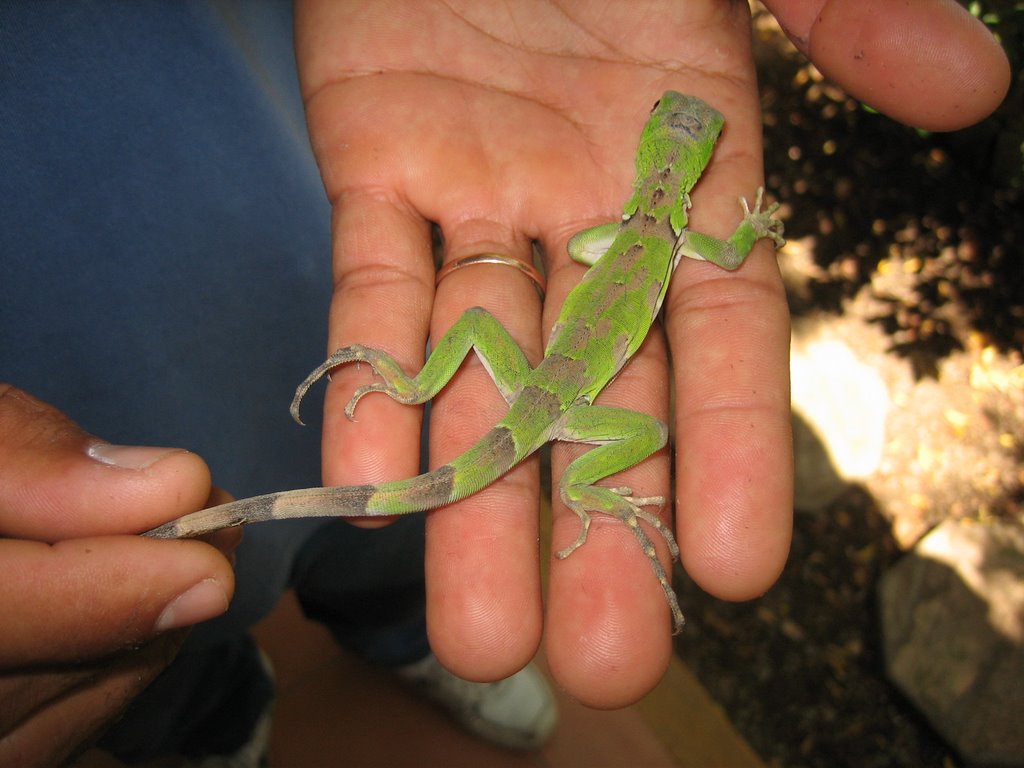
x=601, y=325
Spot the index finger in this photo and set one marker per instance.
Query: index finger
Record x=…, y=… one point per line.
x=382, y=299
x=928, y=63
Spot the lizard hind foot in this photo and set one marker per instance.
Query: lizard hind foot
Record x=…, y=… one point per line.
x=355, y=353
x=630, y=510
x=581, y=539
x=637, y=504
x=409, y=397
x=632, y=513
x=350, y=408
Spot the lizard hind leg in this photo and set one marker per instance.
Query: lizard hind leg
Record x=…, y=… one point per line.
x=622, y=438
x=476, y=330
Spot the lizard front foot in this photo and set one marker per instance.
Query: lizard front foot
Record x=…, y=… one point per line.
x=764, y=222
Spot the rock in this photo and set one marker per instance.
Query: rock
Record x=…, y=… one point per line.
x=840, y=405
x=952, y=615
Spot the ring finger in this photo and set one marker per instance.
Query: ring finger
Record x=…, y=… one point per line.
x=482, y=559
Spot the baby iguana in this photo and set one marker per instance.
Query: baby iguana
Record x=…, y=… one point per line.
x=602, y=324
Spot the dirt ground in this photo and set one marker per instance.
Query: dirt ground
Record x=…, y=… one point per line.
x=914, y=239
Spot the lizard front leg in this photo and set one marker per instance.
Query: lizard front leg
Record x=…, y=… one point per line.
x=624, y=438
x=477, y=329
x=731, y=253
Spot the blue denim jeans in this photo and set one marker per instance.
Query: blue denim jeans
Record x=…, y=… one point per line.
x=164, y=279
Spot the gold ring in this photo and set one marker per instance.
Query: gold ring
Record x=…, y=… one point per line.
x=494, y=258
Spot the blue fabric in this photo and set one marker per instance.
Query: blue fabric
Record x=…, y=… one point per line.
x=164, y=234
x=164, y=279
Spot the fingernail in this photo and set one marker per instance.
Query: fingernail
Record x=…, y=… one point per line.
x=198, y=603
x=129, y=456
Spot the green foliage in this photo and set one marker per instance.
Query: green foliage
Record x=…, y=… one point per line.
x=1006, y=20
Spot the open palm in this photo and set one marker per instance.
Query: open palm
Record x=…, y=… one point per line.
x=510, y=125
x=507, y=129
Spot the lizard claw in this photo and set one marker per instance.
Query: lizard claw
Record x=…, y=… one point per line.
x=764, y=222
x=350, y=409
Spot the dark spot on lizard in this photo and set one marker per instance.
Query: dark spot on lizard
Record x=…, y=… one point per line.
x=437, y=487
x=503, y=445
x=685, y=122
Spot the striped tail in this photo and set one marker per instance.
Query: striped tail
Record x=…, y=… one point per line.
x=487, y=460
x=484, y=462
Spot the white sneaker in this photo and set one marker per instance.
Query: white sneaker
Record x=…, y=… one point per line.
x=518, y=712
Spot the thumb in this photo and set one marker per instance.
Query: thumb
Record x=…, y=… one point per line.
x=59, y=482
x=927, y=63
x=87, y=597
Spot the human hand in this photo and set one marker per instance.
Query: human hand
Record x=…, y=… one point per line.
x=927, y=63
x=90, y=617
x=511, y=124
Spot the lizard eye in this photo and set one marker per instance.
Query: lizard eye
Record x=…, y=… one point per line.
x=655, y=105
